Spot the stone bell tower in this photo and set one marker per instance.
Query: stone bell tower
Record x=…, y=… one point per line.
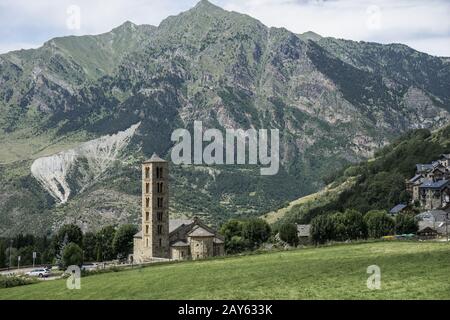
x=155, y=208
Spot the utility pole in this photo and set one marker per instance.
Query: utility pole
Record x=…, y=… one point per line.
x=446, y=225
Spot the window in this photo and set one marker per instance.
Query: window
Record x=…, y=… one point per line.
x=159, y=173
x=147, y=243
x=146, y=229
x=160, y=242
x=159, y=216
x=159, y=229
x=147, y=202
x=147, y=173
x=147, y=216
x=159, y=187
x=160, y=202
x=147, y=188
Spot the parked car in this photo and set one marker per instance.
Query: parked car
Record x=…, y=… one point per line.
x=41, y=273
x=89, y=266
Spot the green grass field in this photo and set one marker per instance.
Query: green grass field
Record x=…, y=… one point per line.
x=409, y=270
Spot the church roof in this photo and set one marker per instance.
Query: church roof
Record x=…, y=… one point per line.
x=155, y=158
x=174, y=224
x=180, y=244
x=217, y=240
x=200, y=232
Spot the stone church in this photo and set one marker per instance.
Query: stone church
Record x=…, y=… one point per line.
x=161, y=237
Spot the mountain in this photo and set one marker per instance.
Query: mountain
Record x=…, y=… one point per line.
x=376, y=184
x=334, y=101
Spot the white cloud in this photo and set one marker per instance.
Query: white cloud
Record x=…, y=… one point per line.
x=422, y=24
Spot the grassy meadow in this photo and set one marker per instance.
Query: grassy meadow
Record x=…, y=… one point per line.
x=409, y=270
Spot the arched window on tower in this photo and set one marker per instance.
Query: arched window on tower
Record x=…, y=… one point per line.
x=147, y=173
x=147, y=188
x=147, y=202
x=146, y=229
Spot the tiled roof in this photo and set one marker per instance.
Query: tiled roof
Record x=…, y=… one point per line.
x=398, y=208
x=155, y=158
x=176, y=223
x=200, y=232
x=430, y=184
x=423, y=167
x=415, y=178
x=180, y=244
x=432, y=215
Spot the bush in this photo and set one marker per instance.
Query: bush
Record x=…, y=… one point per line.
x=288, y=233
x=405, y=224
x=379, y=224
x=15, y=281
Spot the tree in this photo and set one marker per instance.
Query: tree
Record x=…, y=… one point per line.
x=90, y=246
x=231, y=228
x=379, y=224
x=70, y=232
x=123, y=240
x=236, y=244
x=2, y=253
x=322, y=229
x=351, y=225
x=105, y=238
x=256, y=231
x=405, y=224
x=288, y=233
x=72, y=255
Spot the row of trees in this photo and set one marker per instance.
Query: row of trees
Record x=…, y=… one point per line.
x=243, y=235
x=352, y=225
x=69, y=246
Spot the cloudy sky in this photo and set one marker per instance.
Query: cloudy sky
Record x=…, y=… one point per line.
x=421, y=24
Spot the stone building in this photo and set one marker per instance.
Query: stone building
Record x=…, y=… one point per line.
x=161, y=237
x=430, y=187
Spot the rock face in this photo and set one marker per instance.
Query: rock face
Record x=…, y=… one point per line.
x=333, y=100
x=54, y=172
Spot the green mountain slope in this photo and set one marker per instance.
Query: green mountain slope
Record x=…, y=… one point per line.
x=375, y=184
x=334, y=102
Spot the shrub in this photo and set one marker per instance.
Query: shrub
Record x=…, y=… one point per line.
x=379, y=224
x=15, y=281
x=405, y=224
x=288, y=233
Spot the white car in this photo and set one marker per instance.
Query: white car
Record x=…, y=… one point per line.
x=41, y=273
x=89, y=266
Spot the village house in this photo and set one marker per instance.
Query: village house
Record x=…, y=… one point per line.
x=164, y=238
x=430, y=186
x=433, y=223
